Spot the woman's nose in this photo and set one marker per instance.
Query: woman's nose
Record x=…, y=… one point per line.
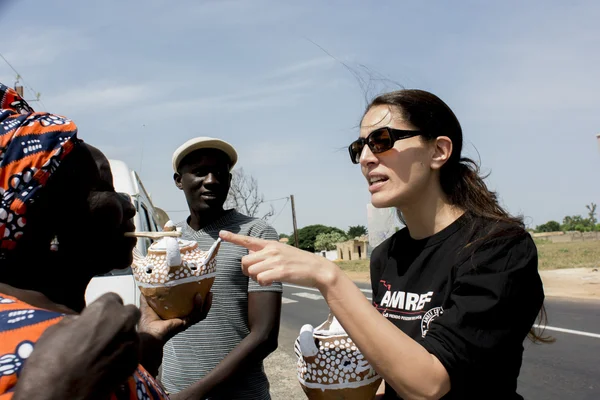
x=367, y=157
x=128, y=208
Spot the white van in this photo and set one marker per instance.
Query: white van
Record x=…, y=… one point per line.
x=147, y=218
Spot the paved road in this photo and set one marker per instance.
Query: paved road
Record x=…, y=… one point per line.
x=567, y=369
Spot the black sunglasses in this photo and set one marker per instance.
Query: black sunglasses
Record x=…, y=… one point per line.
x=379, y=140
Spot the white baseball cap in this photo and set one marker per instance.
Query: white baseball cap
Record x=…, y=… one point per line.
x=204, y=142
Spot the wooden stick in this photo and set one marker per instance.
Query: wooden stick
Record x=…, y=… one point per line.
x=153, y=235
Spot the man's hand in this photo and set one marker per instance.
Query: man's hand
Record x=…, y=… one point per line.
x=165, y=329
x=83, y=357
x=155, y=332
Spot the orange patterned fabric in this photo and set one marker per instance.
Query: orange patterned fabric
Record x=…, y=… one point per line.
x=21, y=325
x=32, y=146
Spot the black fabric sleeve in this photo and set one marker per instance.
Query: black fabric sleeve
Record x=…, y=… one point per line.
x=496, y=297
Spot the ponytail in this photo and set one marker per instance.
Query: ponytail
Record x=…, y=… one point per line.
x=465, y=188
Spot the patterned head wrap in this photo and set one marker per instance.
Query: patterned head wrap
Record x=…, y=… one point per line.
x=32, y=146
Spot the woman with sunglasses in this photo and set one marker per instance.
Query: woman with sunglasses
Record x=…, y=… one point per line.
x=456, y=292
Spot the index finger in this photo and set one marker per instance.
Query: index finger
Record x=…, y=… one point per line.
x=251, y=243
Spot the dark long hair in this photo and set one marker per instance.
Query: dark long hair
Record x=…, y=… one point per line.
x=460, y=177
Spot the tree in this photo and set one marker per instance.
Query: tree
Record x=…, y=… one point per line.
x=283, y=236
x=308, y=235
x=550, y=226
x=327, y=241
x=576, y=223
x=245, y=197
x=592, y=215
x=356, y=231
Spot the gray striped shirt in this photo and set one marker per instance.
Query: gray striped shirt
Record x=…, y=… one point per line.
x=192, y=354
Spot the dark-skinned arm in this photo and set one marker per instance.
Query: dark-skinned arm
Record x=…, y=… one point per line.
x=264, y=310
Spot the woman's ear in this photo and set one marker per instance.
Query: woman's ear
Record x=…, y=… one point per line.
x=442, y=150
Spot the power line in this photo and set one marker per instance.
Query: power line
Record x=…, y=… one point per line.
x=20, y=77
x=280, y=211
x=281, y=198
x=10, y=65
x=266, y=201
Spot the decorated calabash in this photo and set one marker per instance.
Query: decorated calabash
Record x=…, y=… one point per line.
x=331, y=367
x=173, y=272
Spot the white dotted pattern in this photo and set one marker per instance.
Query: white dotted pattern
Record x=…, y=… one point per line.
x=20, y=315
x=154, y=270
x=338, y=362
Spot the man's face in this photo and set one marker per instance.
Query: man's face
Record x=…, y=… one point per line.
x=204, y=177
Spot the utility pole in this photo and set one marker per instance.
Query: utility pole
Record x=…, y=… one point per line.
x=21, y=92
x=294, y=219
x=19, y=88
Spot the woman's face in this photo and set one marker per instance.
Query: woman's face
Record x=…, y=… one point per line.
x=396, y=177
x=113, y=214
x=100, y=217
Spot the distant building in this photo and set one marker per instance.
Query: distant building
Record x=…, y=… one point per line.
x=284, y=240
x=354, y=249
x=331, y=255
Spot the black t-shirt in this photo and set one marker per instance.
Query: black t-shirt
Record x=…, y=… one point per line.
x=469, y=295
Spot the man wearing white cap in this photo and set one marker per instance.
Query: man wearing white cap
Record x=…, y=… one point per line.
x=221, y=357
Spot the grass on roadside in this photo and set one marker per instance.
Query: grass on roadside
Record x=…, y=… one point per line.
x=354, y=265
x=568, y=255
x=550, y=256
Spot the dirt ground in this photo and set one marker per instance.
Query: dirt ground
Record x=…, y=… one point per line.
x=574, y=283
x=281, y=371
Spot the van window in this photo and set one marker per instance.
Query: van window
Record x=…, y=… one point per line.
x=146, y=217
x=145, y=221
x=143, y=218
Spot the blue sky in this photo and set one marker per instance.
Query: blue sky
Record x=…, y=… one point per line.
x=140, y=78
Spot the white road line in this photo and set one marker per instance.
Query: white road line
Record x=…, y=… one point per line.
x=571, y=331
x=285, y=300
x=308, y=296
x=316, y=290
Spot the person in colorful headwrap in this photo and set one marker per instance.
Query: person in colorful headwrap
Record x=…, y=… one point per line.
x=61, y=223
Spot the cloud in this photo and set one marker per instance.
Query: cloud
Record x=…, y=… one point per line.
x=536, y=68
x=237, y=12
x=31, y=48
x=117, y=152
x=271, y=154
x=303, y=66
x=101, y=96
x=258, y=96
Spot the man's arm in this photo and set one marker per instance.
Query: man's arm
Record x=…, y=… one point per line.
x=264, y=310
